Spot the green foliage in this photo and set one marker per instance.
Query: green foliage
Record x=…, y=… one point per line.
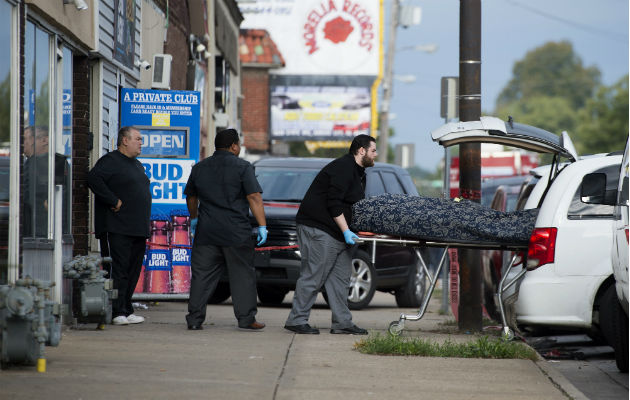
x=552, y=70
x=553, y=114
x=552, y=90
x=603, y=122
x=482, y=347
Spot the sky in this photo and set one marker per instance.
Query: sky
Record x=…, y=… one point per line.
x=598, y=30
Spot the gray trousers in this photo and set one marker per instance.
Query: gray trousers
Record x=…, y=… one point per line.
x=325, y=262
x=206, y=265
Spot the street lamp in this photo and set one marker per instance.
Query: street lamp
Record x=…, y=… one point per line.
x=394, y=23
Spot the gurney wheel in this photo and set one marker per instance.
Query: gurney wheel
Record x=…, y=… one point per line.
x=395, y=328
x=507, y=335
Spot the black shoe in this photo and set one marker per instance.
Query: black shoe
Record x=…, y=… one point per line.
x=254, y=326
x=302, y=329
x=353, y=330
x=195, y=327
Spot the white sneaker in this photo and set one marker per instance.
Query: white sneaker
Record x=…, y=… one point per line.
x=120, y=320
x=135, y=319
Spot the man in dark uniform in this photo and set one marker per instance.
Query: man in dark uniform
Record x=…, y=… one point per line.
x=122, y=217
x=220, y=191
x=324, y=236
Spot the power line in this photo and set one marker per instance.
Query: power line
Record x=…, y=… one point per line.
x=591, y=29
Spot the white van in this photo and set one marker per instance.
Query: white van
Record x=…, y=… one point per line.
x=569, y=281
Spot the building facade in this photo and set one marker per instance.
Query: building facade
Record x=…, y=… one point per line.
x=65, y=65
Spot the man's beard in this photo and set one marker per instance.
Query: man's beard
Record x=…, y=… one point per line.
x=367, y=161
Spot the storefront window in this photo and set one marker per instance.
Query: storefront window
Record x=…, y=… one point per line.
x=36, y=131
x=65, y=145
x=5, y=134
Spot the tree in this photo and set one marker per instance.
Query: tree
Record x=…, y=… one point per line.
x=603, y=122
x=553, y=114
x=551, y=70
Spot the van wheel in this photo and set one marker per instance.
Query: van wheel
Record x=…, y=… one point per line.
x=271, y=295
x=620, y=336
x=412, y=292
x=607, y=314
x=221, y=293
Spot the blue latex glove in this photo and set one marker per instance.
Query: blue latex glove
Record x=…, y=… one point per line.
x=349, y=236
x=262, y=235
x=193, y=226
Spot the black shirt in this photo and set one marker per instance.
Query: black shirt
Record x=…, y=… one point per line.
x=116, y=176
x=334, y=190
x=222, y=183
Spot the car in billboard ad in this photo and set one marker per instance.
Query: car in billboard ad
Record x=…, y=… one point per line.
x=319, y=112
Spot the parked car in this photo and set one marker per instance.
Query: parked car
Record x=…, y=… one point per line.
x=499, y=194
x=285, y=182
x=594, y=191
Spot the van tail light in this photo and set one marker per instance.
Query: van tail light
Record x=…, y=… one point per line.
x=542, y=247
x=626, y=235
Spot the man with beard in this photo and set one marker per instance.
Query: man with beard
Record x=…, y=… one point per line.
x=324, y=238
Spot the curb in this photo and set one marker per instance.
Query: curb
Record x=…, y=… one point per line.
x=560, y=381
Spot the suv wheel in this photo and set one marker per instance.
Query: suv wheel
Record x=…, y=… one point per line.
x=412, y=293
x=271, y=295
x=362, y=284
x=221, y=293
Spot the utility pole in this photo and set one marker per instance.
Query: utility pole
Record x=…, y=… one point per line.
x=470, y=156
x=387, y=82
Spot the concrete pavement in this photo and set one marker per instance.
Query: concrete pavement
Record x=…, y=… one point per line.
x=160, y=359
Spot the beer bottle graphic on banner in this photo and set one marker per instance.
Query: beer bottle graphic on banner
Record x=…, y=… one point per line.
x=180, y=251
x=158, y=271
x=140, y=284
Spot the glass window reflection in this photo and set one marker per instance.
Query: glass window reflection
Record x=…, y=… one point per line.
x=5, y=134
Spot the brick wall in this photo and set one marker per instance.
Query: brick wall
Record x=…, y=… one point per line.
x=255, y=84
x=177, y=41
x=80, y=153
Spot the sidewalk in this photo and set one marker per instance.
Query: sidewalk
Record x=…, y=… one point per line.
x=160, y=359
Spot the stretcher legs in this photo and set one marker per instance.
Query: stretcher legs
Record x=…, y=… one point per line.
x=396, y=327
x=507, y=334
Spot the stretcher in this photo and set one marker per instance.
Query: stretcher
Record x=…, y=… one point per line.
x=396, y=327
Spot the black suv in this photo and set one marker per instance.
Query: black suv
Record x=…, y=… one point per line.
x=284, y=182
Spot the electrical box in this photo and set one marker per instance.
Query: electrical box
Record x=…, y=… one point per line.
x=161, y=71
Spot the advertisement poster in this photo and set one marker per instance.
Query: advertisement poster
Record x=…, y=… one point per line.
x=319, y=112
x=320, y=37
x=169, y=124
x=125, y=31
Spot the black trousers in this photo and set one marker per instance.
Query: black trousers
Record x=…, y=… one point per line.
x=207, y=264
x=127, y=253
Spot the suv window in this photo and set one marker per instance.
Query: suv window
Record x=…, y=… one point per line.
x=374, y=184
x=580, y=210
x=391, y=183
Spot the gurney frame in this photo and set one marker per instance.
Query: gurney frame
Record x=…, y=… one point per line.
x=396, y=327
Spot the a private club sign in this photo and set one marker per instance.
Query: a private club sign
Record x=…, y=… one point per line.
x=336, y=22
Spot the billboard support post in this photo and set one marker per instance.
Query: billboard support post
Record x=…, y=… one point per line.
x=387, y=83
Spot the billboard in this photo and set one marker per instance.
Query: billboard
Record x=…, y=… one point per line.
x=319, y=112
x=320, y=37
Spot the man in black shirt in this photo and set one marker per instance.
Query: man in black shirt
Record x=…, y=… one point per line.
x=122, y=217
x=220, y=191
x=323, y=236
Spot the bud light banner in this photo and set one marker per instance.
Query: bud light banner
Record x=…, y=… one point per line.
x=169, y=124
